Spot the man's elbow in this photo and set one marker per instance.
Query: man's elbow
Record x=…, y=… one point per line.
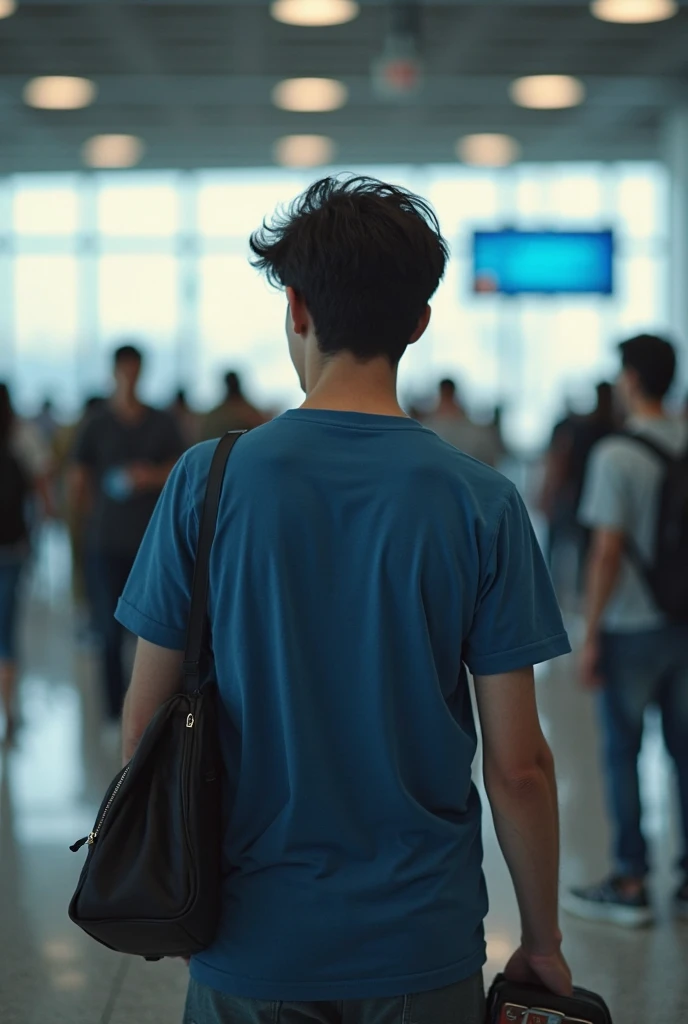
x=522, y=778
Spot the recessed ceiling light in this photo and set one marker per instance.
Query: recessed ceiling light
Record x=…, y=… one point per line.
x=59, y=92
x=113, y=151
x=304, y=150
x=547, y=92
x=310, y=95
x=634, y=12
x=488, y=150
x=314, y=12
x=7, y=8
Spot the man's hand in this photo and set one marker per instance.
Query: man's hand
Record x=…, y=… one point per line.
x=144, y=476
x=550, y=970
x=589, y=668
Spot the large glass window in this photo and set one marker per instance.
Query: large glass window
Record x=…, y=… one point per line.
x=147, y=207
x=138, y=302
x=45, y=204
x=87, y=261
x=241, y=324
x=46, y=328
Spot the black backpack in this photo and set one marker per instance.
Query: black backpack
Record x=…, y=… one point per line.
x=14, y=491
x=667, y=574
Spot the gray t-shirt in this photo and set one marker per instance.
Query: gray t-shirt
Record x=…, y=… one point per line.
x=621, y=492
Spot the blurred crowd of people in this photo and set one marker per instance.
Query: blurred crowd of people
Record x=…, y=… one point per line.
x=101, y=476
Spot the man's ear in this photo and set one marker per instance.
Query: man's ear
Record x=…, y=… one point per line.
x=298, y=312
x=421, y=326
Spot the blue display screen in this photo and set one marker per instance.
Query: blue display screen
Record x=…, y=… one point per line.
x=545, y=262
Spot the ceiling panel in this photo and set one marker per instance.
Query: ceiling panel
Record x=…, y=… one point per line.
x=194, y=80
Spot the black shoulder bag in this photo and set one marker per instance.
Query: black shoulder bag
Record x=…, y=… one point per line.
x=151, y=882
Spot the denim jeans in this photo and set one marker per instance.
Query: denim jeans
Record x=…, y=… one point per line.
x=107, y=574
x=463, y=1003
x=640, y=669
x=10, y=575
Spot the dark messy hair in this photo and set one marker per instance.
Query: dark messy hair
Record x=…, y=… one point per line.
x=654, y=361
x=364, y=255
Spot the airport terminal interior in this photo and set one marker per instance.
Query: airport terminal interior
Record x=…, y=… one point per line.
x=141, y=142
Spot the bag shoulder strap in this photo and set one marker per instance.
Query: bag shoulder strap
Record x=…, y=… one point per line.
x=667, y=457
x=198, y=617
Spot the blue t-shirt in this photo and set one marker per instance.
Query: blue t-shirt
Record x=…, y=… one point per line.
x=359, y=564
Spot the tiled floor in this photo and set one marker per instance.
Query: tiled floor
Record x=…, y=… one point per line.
x=51, y=784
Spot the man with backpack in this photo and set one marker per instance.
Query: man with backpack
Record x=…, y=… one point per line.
x=636, y=650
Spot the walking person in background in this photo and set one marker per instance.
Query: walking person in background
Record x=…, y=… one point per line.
x=359, y=564
x=451, y=421
x=633, y=654
x=24, y=467
x=122, y=457
x=74, y=517
x=234, y=412
x=566, y=463
x=46, y=423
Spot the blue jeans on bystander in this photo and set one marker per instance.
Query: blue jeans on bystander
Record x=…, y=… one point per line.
x=640, y=669
x=10, y=574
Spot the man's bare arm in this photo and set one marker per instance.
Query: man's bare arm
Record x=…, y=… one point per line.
x=521, y=787
x=80, y=489
x=156, y=677
x=604, y=565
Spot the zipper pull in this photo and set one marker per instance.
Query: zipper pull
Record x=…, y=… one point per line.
x=82, y=842
x=190, y=721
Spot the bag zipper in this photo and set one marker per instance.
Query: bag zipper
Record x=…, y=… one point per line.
x=92, y=836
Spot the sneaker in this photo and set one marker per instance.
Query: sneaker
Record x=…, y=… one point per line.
x=681, y=901
x=608, y=902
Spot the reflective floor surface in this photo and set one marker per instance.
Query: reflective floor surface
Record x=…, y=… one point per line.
x=52, y=782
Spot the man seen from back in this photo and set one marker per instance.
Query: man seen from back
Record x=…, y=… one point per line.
x=361, y=566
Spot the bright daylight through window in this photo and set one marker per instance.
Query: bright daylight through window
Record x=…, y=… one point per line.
x=162, y=257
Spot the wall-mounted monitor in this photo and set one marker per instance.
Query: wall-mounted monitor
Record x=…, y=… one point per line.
x=543, y=262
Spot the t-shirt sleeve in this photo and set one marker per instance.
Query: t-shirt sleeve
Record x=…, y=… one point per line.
x=517, y=621
x=155, y=603
x=605, y=502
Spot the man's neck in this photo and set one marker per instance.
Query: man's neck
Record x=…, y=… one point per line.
x=126, y=405
x=448, y=409
x=647, y=409
x=345, y=384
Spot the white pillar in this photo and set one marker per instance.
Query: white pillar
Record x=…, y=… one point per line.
x=676, y=158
